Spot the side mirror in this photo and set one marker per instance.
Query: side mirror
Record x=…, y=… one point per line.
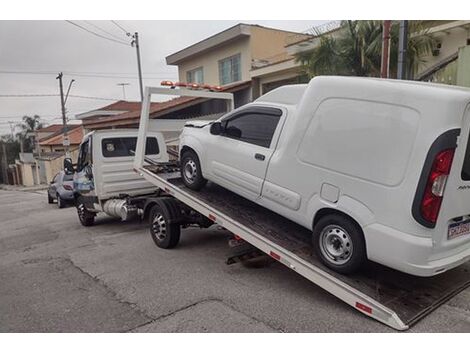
x=88, y=172
x=68, y=166
x=216, y=128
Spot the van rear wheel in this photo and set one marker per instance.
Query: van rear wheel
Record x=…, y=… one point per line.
x=339, y=243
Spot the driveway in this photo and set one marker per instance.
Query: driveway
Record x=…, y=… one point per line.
x=57, y=276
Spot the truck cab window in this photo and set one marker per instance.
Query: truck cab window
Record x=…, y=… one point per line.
x=254, y=128
x=125, y=146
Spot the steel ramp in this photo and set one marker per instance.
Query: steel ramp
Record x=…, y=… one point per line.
x=394, y=298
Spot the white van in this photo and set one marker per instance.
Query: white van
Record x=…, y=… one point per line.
x=377, y=169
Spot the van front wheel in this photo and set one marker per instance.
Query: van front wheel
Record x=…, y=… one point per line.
x=191, y=172
x=339, y=243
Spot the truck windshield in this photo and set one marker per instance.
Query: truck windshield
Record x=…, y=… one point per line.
x=125, y=146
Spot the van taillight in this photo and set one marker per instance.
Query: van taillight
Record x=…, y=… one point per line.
x=436, y=183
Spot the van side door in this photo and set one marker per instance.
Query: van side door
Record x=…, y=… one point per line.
x=239, y=156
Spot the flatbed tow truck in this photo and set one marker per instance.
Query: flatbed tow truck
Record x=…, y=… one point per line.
x=396, y=299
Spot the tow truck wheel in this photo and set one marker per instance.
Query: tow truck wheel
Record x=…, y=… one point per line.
x=86, y=217
x=339, y=243
x=191, y=171
x=164, y=228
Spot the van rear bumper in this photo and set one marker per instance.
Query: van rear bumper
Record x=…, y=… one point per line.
x=408, y=253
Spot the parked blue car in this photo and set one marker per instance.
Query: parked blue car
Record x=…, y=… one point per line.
x=61, y=189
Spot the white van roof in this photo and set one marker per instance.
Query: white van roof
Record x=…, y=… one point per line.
x=292, y=94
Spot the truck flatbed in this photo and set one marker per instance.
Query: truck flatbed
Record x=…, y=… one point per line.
x=394, y=298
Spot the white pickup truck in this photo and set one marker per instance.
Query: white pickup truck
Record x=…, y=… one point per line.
x=376, y=169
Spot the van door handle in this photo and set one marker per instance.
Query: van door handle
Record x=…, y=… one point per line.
x=259, y=156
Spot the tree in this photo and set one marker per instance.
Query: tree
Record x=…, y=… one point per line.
x=29, y=125
x=355, y=49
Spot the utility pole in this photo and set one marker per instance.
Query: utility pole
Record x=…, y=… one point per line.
x=384, y=69
x=123, y=85
x=402, y=50
x=135, y=41
x=4, y=163
x=64, y=119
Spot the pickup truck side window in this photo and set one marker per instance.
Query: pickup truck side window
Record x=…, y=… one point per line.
x=83, y=155
x=125, y=146
x=252, y=127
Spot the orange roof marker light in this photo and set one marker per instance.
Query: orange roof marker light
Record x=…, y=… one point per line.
x=191, y=86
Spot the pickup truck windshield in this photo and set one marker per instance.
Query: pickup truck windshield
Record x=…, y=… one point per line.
x=125, y=146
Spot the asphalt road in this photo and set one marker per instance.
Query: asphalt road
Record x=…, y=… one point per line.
x=57, y=276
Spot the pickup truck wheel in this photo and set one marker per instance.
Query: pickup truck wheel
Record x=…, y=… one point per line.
x=164, y=228
x=339, y=243
x=50, y=200
x=86, y=217
x=191, y=172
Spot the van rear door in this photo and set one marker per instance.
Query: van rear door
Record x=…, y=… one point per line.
x=452, y=229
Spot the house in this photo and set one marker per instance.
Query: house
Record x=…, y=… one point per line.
x=450, y=59
x=230, y=56
x=24, y=171
x=51, y=153
x=448, y=63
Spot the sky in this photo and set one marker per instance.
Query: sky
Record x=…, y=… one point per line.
x=32, y=53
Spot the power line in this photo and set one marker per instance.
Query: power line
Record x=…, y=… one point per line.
x=122, y=28
x=52, y=95
x=103, y=30
x=97, y=34
x=77, y=72
x=91, y=75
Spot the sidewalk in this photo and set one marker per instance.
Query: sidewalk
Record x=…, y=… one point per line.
x=23, y=188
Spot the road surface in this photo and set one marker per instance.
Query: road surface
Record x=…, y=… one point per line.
x=57, y=276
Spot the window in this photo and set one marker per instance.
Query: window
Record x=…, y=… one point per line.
x=125, y=146
x=195, y=76
x=84, y=157
x=67, y=177
x=466, y=164
x=253, y=127
x=230, y=69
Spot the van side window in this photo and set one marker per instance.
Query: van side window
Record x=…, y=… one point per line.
x=84, y=155
x=125, y=146
x=254, y=128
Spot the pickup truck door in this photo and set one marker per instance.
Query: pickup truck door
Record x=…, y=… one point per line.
x=239, y=156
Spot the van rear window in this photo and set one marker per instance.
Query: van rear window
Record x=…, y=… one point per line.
x=466, y=164
x=125, y=146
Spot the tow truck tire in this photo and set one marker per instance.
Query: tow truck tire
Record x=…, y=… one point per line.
x=86, y=217
x=339, y=243
x=191, y=172
x=50, y=200
x=164, y=227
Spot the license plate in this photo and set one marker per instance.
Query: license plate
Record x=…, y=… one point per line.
x=458, y=229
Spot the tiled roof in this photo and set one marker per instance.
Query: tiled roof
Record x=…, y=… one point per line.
x=51, y=128
x=123, y=105
x=159, y=107
x=75, y=134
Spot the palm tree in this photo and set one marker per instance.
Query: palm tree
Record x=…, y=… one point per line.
x=29, y=124
x=356, y=50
